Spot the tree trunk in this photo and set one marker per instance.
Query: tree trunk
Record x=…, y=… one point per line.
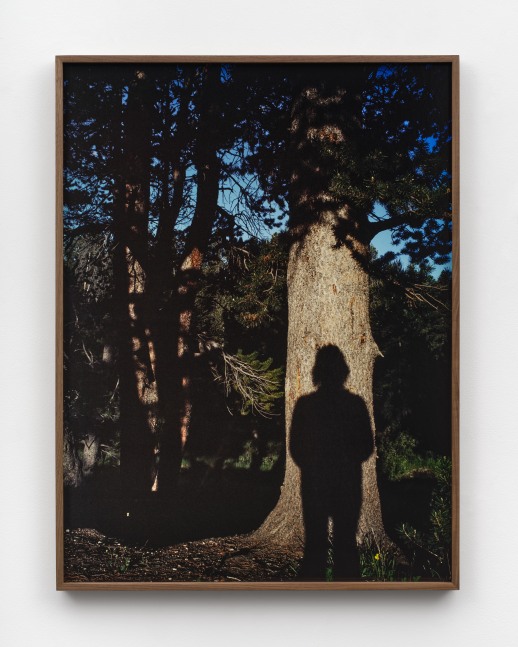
x=328, y=297
x=328, y=304
x=178, y=408
x=138, y=386
x=72, y=475
x=173, y=153
x=170, y=446
x=91, y=446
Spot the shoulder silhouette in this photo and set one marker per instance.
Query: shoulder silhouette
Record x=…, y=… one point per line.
x=331, y=425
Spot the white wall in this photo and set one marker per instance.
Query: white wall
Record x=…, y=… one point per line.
x=484, y=34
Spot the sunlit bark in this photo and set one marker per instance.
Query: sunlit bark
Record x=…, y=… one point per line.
x=328, y=296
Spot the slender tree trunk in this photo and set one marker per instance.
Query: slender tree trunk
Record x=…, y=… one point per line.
x=178, y=411
x=91, y=447
x=72, y=474
x=170, y=450
x=328, y=295
x=174, y=168
x=138, y=386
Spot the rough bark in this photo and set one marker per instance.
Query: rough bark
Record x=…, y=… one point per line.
x=328, y=304
x=328, y=296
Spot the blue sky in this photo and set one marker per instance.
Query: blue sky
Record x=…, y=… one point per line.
x=383, y=243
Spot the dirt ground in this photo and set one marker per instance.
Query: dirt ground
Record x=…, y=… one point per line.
x=93, y=557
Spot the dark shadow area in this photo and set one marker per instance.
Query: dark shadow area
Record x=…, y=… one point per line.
x=210, y=502
x=407, y=500
x=330, y=438
x=199, y=535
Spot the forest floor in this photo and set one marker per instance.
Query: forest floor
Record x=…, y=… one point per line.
x=205, y=536
x=93, y=557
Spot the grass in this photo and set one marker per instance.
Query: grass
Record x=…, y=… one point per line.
x=426, y=542
x=400, y=459
x=377, y=564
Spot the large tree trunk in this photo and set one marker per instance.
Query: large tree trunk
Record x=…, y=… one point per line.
x=328, y=296
x=328, y=304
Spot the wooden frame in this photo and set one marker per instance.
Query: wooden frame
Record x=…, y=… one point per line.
x=61, y=582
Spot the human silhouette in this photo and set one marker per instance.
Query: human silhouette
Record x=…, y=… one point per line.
x=330, y=438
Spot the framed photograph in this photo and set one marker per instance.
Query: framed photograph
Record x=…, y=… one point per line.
x=257, y=322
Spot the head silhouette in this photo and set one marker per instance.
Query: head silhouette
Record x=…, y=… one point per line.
x=330, y=370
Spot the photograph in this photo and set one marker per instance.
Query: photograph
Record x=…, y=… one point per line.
x=257, y=322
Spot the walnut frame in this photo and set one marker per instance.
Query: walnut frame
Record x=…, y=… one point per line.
x=61, y=584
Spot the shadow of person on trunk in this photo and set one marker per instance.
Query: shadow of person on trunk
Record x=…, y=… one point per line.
x=330, y=438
